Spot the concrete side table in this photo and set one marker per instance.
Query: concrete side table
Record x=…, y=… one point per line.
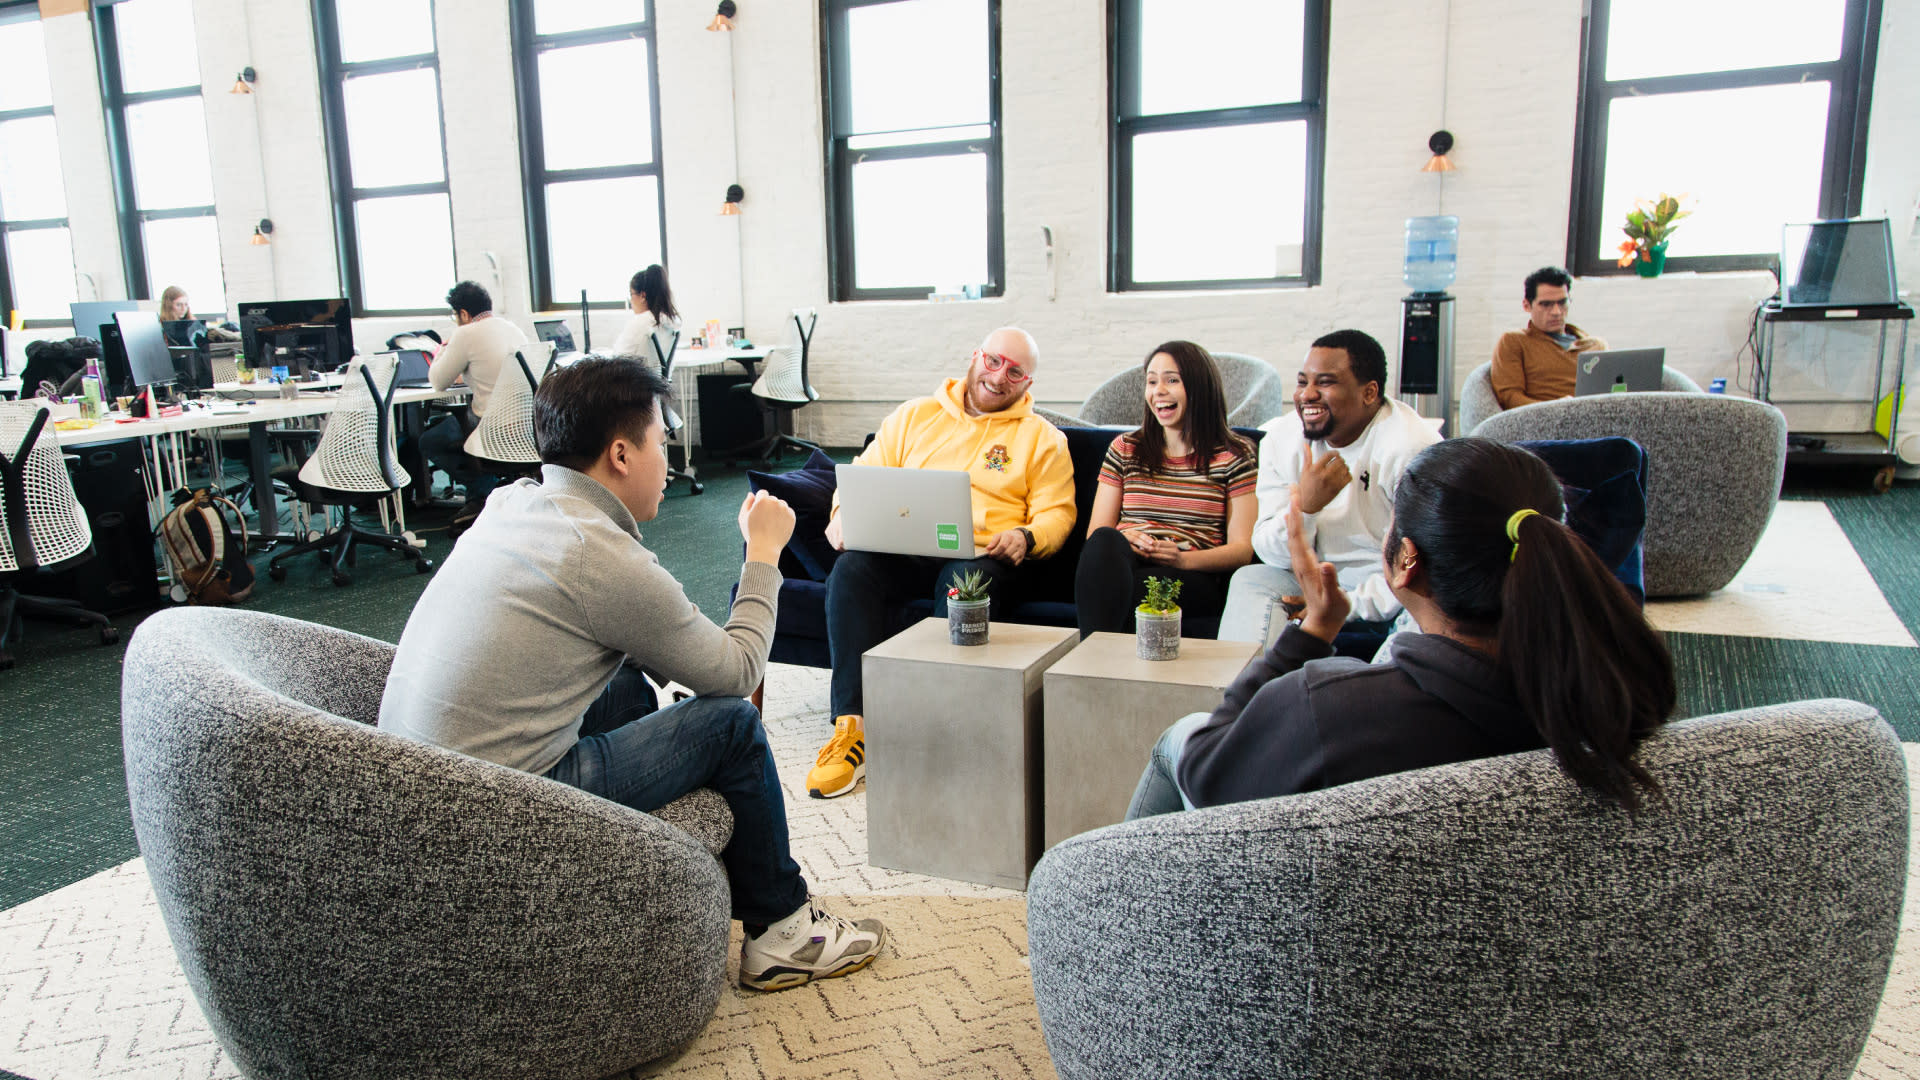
x=1105, y=707
x=953, y=750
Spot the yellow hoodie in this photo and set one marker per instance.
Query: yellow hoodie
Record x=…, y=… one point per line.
x=1022, y=473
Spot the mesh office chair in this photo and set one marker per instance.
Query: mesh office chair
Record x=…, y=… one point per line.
x=502, y=443
x=783, y=388
x=676, y=427
x=354, y=467
x=44, y=525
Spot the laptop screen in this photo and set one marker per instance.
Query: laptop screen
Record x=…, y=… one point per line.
x=556, y=331
x=1837, y=264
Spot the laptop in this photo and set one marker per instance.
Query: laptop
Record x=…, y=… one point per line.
x=1618, y=370
x=906, y=511
x=555, y=330
x=1847, y=263
x=413, y=369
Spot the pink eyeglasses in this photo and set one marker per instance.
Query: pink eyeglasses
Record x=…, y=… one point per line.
x=997, y=363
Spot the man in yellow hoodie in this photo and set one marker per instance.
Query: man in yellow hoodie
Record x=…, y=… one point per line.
x=1022, y=509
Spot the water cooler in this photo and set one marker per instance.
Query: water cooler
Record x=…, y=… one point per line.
x=1426, y=317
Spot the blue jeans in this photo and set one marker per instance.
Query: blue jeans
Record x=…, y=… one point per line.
x=645, y=759
x=863, y=591
x=1159, y=791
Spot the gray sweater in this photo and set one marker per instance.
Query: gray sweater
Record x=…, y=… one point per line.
x=526, y=622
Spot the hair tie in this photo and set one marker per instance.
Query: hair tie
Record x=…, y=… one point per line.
x=1513, y=530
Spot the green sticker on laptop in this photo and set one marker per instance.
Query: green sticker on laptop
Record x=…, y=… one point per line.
x=947, y=536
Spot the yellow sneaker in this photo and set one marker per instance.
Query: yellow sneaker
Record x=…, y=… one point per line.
x=842, y=762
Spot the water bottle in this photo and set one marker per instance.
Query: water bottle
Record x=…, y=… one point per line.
x=1431, y=246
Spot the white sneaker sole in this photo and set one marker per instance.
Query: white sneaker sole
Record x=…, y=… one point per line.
x=859, y=774
x=785, y=978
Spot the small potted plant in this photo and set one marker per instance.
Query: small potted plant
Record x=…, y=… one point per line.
x=1648, y=226
x=967, y=609
x=1156, y=622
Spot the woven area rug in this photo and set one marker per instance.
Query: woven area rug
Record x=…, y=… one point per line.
x=89, y=986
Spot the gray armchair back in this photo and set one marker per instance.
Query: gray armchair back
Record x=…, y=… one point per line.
x=1490, y=919
x=349, y=903
x=1254, y=391
x=1714, y=465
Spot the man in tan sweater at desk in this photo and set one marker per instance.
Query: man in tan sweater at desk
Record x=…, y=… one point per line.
x=1536, y=364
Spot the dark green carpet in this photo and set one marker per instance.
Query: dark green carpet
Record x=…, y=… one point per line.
x=63, y=809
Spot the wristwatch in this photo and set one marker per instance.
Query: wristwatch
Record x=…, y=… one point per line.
x=1028, y=533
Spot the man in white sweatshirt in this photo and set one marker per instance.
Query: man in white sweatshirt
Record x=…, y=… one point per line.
x=1342, y=451
x=482, y=346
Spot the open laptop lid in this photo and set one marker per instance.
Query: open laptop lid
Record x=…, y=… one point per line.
x=1618, y=369
x=413, y=368
x=1837, y=264
x=906, y=511
x=556, y=331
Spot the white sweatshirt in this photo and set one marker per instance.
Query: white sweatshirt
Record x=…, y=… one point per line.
x=633, y=337
x=479, y=350
x=1349, y=531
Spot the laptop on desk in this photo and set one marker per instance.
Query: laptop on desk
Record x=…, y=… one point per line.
x=1618, y=370
x=413, y=369
x=906, y=511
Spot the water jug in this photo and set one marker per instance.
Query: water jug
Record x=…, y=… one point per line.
x=1431, y=245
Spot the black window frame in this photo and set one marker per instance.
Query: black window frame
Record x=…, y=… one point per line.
x=837, y=109
x=333, y=76
x=528, y=44
x=1125, y=121
x=115, y=101
x=9, y=12
x=1842, y=179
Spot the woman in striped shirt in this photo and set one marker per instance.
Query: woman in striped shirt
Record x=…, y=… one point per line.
x=1175, y=500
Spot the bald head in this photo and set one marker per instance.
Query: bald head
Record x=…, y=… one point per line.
x=1001, y=370
x=1015, y=344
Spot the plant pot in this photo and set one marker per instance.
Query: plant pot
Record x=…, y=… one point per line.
x=1156, y=635
x=1653, y=266
x=967, y=621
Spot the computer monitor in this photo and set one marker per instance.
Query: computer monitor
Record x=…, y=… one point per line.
x=90, y=315
x=302, y=335
x=113, y=363
x=184, y=332
x=1837, y=264
x=192, y=366
x=147, y=355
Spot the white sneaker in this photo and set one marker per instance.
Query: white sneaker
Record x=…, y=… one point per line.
x=807, y=945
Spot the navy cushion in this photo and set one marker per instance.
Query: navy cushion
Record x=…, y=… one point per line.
x=1605, y=485
x=809, y=490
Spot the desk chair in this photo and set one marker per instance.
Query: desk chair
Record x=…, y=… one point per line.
x=783, y=388
x=676, y=428
x=354, y=468
x=44, y=526
x=502, y=443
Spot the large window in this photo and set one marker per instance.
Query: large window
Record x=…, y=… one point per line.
x=1218, y=143
x=1755, y=109
x=36, y=248
x=157, y=132
x=393, y=220
x=589, y=145
x=913, y=151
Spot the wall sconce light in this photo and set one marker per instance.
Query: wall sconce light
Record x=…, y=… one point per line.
x=723, y=19
x=262, y=232
x=243, y=82
x=735, y=194
x=1439, y=142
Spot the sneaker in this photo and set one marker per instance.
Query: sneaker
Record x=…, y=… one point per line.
x=842, y=762
x=807, y=945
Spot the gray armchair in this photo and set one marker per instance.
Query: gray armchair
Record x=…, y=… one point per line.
x=348, y=903
x=1714, y=465
x=1477, y=400
x=1489, y=919
x=1254, y=391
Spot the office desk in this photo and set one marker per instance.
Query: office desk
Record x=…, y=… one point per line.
x=256, y=416
x=688, y=365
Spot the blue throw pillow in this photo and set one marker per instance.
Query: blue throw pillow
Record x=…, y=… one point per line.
x=809, y=490
x=1604, y=484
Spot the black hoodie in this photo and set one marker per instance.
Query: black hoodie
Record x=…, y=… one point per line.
x=1301, y=719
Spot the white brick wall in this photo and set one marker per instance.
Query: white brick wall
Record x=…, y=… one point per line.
x=1510, y=70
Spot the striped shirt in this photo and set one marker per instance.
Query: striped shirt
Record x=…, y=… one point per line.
x=1181, y=502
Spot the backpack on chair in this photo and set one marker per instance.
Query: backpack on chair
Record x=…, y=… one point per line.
x=209, y=566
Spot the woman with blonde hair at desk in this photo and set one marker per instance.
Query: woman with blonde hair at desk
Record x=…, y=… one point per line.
x=653, y=317
x=177, y=307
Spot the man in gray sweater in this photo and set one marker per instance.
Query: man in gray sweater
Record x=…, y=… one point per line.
x=515, y=654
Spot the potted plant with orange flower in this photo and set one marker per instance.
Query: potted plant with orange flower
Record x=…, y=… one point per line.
x=1648, y=226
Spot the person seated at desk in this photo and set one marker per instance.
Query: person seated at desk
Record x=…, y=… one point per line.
x=182, y=328
x=516, y=654
x=1537, y=364
x=1022, y=478
x=480, y=348
x=1342, y=449
x=1176, y=499
x=654, y=318
x=1527, y=641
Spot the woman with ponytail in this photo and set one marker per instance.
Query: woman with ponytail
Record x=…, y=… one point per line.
x=649, y=334
x=1527, y=641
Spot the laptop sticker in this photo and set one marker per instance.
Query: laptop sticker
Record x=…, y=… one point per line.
x=947, y=537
